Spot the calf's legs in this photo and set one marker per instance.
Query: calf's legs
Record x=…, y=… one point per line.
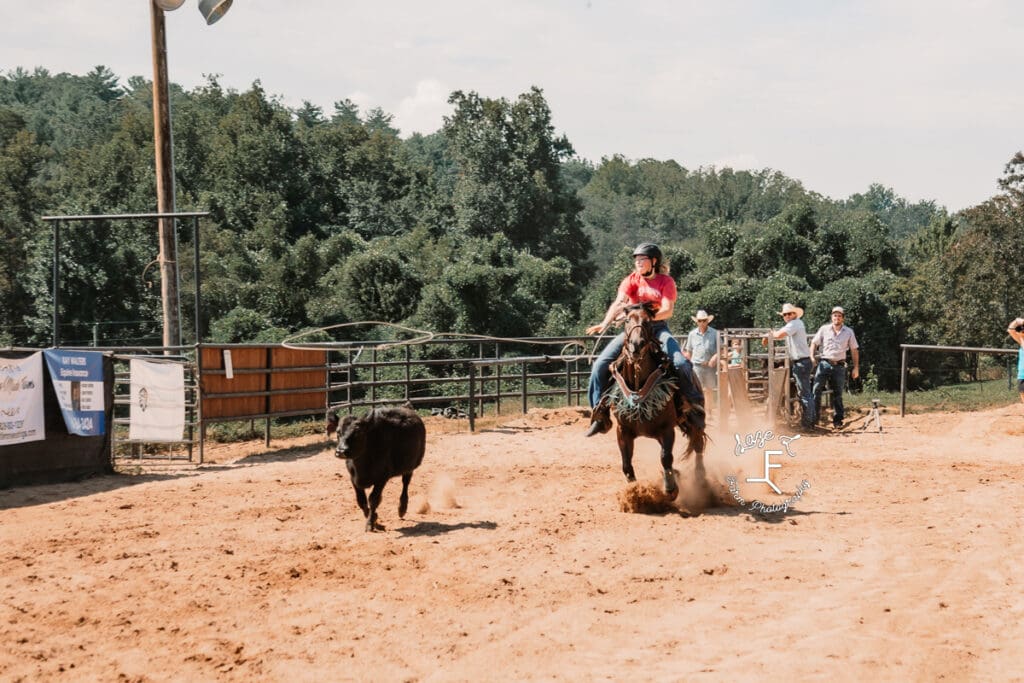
x=403, y=500
x=361, y=500
x=371, y=518
x=370, y=510
x=369, y=507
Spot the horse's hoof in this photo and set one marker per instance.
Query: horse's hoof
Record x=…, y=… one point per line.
x=631, y=478
x=671, y=489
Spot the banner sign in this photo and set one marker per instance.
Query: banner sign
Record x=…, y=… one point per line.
x=21, y=400
x=158, y=401
x=77, y=378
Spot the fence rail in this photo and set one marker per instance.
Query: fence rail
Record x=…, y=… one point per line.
x=906, y=348
x=471, y=383
x=249, y=382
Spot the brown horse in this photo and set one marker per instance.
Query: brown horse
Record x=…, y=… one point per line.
x=647, y=400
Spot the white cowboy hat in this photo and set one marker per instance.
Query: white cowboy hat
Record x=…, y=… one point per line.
x=702, y=315
x=790, y=308
x=838, y=309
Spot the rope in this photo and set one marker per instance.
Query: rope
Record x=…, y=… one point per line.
x=425, y=336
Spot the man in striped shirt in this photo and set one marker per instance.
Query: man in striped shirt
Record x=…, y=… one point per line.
x=834, y=340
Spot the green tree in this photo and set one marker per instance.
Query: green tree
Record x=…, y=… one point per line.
x=982, y=274
x=778, y=247
x=720, y=239
x=377, y=285
x=509, y=176
x=244, y=325
x=493, y=288
x=1012, y=182
x=900, y=218
x=21, y=160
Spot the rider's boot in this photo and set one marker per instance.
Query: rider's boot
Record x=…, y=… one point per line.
x=688, y=412
x=680, y=403
x=600, y=419
x=689, y=398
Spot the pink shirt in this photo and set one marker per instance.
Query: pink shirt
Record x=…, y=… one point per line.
x=640, y=290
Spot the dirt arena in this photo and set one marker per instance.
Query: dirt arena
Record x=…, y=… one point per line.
x=901, y=561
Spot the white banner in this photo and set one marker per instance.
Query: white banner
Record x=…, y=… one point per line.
x=21, y=400
x=158, y=401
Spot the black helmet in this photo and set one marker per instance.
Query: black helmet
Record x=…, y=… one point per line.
x=649, y=249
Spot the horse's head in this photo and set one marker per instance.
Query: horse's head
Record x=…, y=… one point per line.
x=639, y=331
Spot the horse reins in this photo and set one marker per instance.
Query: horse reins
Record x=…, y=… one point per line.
x=652, y=379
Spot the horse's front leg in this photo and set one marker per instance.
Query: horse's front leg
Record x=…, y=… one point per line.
x=667, y=441
x=626, y=449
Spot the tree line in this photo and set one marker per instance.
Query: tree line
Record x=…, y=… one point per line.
x=491, y=225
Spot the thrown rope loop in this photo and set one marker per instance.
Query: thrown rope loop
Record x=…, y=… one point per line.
x=424, y=336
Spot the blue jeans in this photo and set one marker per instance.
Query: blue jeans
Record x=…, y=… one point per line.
x=801, y=370
x=601, y=373
x=836, y=376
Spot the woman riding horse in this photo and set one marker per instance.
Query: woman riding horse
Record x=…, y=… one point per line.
x=641, y=396
x=650, y=284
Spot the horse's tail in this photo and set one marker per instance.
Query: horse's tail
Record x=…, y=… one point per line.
x=693, y=426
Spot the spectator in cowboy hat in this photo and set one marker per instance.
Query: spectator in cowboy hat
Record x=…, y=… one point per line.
x=1016, y=330
x=795, y=335
x=701, y=347
x=834, y=339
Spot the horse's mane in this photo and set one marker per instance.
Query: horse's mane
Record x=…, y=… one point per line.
x=648, y=307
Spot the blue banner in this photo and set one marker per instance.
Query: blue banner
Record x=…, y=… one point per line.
x=78, y=380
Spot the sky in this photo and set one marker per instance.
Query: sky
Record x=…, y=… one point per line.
x=924, y=97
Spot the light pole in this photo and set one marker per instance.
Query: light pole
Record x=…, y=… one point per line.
x=212, y=10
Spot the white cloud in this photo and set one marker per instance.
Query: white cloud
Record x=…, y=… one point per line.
x=915, y=94
x=422, y=112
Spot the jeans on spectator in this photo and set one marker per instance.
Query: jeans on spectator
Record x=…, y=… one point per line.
x=836, y=376
x=601, y=373
x=801, y=370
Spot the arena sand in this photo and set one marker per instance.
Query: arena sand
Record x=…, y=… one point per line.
x=900, y=562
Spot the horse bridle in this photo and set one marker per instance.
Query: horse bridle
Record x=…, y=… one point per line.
x=634, y=358
x=644, y=328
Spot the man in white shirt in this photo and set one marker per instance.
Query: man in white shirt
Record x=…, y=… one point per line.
x=834, y=340
x=799, y=358
x=701, y=347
